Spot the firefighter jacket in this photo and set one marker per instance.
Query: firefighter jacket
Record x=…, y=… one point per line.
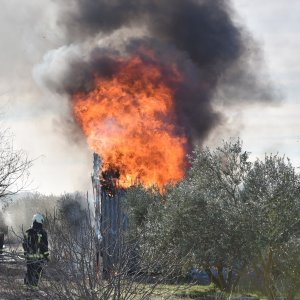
x=35, y=243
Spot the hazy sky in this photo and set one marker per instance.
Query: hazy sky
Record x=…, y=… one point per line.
x=275, y=25
x=28, y=29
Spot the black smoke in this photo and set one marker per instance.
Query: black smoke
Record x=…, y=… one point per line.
x=200, y=36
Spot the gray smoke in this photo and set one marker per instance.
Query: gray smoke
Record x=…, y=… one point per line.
x=215, y=55
x=73, y=209
x=3, y=225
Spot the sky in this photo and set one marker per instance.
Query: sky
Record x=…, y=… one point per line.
x=34, y=115
x=275, y=26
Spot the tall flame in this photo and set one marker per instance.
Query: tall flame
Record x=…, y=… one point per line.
x=129, y=120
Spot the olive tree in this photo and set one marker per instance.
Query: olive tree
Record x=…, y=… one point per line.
x=227, y=216
x=286, y=269
x=272, y=200
x=201, y=216
x=138, y=203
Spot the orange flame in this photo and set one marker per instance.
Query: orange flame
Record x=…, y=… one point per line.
x=129, y=120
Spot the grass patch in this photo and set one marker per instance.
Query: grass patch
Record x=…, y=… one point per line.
x=186, y=291
x=196, y=291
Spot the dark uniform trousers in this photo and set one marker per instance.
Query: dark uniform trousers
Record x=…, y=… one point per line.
x=34, y=271
x=35, y=247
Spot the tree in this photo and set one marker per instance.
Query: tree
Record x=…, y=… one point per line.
x=287, y=269
x=227, y=216
x=14, y=167
x=201, y=216
x=271, y=199
x=138, y=202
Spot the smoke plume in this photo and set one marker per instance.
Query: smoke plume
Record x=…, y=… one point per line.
x=200, y=37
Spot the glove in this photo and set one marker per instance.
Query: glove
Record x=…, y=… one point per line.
x=46, y=257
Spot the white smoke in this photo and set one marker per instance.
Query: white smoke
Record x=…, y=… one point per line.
x=55, y=65
x=29, y=31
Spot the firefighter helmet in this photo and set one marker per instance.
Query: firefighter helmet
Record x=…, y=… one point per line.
x=39, y=218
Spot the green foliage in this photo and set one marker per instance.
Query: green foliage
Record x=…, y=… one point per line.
x=272, y=195
x=287, y=268
x=137, y=204
x=228, y=214
x=203, y=212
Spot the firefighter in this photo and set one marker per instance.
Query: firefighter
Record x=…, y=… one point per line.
x=35, y=245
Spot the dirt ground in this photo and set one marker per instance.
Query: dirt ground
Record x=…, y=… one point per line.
x=12, y=272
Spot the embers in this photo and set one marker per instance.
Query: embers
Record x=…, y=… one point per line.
x=109, y=181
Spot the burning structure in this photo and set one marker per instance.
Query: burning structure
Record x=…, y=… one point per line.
x=130, y=121
x=144, y=80
x=109, y=219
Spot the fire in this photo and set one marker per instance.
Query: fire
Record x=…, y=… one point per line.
x=129, y=120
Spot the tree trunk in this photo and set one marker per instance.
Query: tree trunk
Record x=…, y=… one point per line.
x=236, y=281
x=219, y=280
x=212, y=278
x=291, y=295
x=267, y=272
